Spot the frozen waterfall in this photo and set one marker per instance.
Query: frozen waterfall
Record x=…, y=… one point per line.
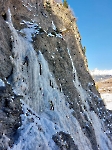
x=45, y=111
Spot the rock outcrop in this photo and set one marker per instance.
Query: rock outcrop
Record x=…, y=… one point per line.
x=48, y=99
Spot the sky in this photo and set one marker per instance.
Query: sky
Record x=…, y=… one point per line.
x=94, y=20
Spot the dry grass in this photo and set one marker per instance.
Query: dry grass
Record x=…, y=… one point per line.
x=104, y=86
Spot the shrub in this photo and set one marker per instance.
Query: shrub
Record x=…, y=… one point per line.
x=65, y=4
x=97, y=87
x=48, y=7
x=84, y=49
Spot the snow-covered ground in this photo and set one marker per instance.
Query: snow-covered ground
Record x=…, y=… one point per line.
x=108, y=100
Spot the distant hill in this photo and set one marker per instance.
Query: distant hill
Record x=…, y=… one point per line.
x=101, y=77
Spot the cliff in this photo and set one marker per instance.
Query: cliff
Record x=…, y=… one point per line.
x=48, y=99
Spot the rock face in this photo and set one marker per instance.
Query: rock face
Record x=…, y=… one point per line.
x=5, y=49
x=48, y=98
x=9, y=116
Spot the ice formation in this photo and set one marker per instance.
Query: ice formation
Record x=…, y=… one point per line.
x=2, y=84
x=34, y=85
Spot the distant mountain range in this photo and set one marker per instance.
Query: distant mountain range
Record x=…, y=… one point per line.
x=101, y=72
x=99, y=75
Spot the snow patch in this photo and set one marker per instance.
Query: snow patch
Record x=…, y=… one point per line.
x=108, y=100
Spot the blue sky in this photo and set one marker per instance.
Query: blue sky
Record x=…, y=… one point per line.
x=94, y=20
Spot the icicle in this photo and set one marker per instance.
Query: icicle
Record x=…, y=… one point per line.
x=53, y=26
x=2, y=83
